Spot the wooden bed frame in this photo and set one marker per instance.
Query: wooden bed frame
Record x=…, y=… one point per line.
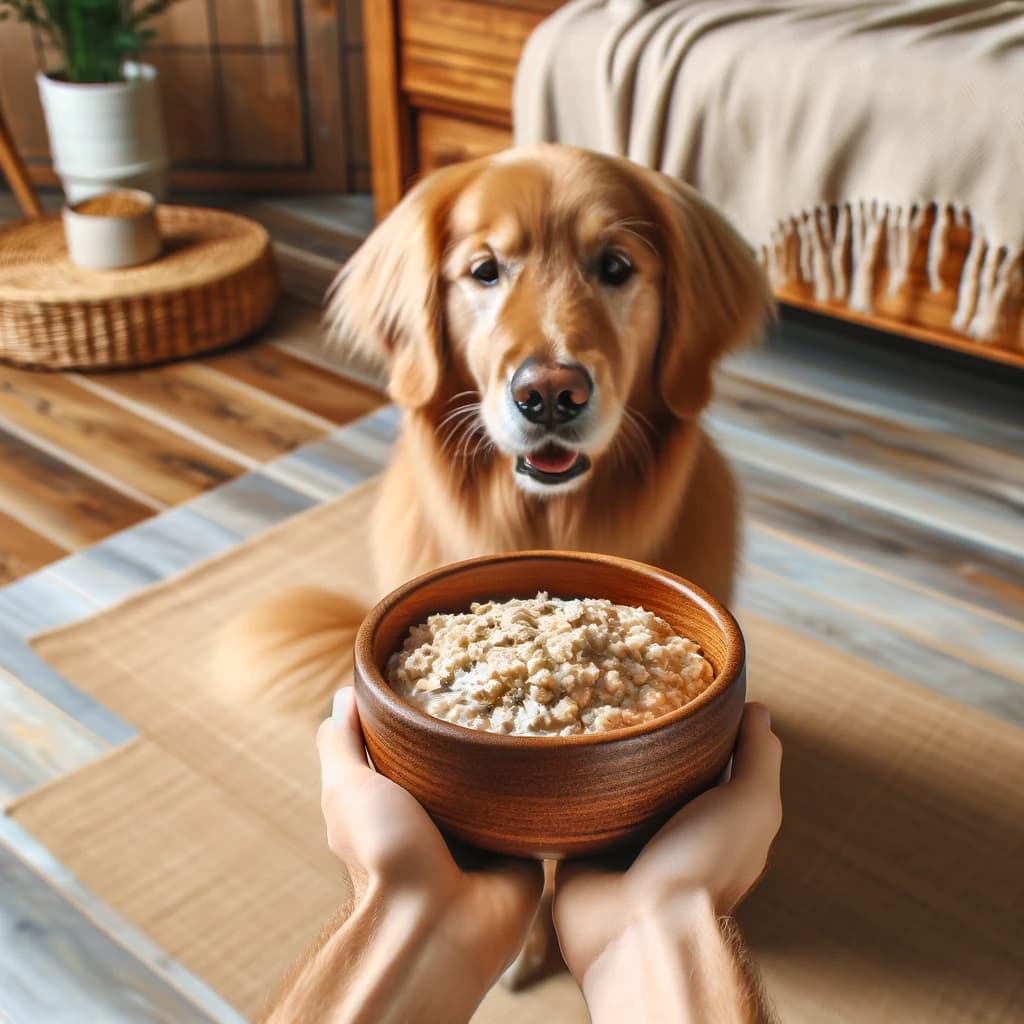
x=439, y=81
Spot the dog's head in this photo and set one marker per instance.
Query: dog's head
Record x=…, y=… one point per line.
x=567, y=295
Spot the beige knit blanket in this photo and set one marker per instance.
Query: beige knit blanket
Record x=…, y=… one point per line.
x=838, y=123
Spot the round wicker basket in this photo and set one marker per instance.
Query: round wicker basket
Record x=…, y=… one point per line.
x=214, y=283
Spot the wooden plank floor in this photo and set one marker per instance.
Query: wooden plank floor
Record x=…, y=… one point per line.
x=194, y=456
x=83, y=455
x=69, y=960
x=884, y=491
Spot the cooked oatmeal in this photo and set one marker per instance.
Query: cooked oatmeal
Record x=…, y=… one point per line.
x=548, y=666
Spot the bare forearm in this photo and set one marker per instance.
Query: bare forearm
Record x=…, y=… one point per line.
x=381, y=964
x=674, y=963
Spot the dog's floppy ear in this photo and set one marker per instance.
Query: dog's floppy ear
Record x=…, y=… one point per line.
x=716, y=297
x=386, y=302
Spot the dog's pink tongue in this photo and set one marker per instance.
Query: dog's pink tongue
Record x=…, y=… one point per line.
x=552, y=459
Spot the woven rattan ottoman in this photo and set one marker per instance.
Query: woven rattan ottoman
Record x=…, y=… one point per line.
x=214, y=283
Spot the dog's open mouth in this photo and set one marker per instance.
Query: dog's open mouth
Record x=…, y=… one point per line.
x=553, y=464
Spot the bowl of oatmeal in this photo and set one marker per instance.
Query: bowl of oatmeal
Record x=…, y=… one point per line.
x=550, y=704
x=548, y=666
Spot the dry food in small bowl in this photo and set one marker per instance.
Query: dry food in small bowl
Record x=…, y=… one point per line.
x=112, y=230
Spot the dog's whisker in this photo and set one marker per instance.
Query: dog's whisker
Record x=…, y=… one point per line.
x=646, y=451
x=463, y=449
x=614, y=452
x=471, y=428
x=454, y=428
x=625, y=226
x=456, y=397
x=464, y=453
x=639, y=422
x=459, y=441
x=455, y=436
x=633, y=432
x=458, y=424
x=460, y=408
x=643, y=452
x=640, y=238
x=471, y=406
x=463, y=419
x=623, y=450
x=617, y=451
x=642, y=222
x=637, y=415
x=481, y=443
x=450, y=436
x=455, y=433
x=460, y=412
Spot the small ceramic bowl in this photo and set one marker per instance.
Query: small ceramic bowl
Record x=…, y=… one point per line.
x=549, y=796
x=112, y=230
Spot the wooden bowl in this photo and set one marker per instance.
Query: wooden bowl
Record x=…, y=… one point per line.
x=551, y=796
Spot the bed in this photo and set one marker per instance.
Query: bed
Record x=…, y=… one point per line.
x=895, y=94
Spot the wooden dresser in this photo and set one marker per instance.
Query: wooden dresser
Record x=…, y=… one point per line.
x=439, y=82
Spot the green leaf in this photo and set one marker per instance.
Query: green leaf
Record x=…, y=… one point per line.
x=93, y=36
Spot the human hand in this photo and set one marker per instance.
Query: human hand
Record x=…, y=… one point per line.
x=476, y=918
x=715, y=849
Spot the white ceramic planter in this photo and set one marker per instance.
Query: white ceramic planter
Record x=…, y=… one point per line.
x=108, y=135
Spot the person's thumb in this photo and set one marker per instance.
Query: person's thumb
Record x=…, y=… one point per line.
x=340, y=742
x=757, y=760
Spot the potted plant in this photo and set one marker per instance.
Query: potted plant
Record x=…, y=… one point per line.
x=102, y=106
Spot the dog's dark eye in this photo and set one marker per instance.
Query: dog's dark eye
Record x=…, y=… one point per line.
x=613, y=268
x=485, y=271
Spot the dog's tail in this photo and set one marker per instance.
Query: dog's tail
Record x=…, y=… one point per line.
x=290, y=653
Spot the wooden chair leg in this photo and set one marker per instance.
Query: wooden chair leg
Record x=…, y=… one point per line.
x=14, y=170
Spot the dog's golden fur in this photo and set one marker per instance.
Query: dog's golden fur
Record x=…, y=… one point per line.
x=658, y=490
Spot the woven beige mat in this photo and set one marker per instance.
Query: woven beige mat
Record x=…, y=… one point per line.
x=895, y=895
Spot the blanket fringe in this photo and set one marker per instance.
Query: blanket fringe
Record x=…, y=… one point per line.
x=838, y=251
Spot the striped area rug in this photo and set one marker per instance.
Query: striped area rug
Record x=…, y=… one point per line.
x=894, y=892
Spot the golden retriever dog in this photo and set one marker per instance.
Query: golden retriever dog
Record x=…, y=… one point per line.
x=549, y=319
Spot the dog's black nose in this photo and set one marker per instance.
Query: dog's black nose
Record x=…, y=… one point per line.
x=551, y=393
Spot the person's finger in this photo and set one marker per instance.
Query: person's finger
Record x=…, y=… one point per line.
x=344, y=701
x=344, y=774
x=757, y=760
x=340, y=742
x=758, y=754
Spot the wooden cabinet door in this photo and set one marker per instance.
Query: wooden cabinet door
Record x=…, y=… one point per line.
x=441, y=74
x=263, y=95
